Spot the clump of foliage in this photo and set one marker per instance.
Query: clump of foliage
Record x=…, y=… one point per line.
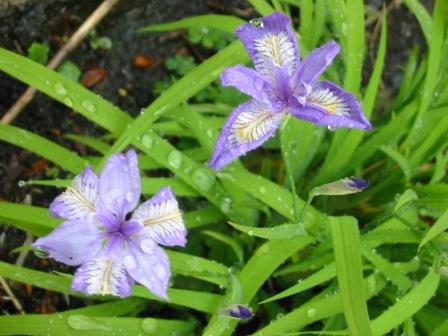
x=371, y=263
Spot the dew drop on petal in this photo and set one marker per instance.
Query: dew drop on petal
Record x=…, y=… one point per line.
x=129, y=196
x=331, y=128
x=129, y=262
x=175, y=159
x=149, y=325
x=258, y=22
x=60, y=89
x=147, y=246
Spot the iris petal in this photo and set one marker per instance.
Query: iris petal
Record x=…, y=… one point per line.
x=248, y=127
x=162, y=219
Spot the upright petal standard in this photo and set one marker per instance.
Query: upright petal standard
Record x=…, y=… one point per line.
x=113, y=251
x=281, y=84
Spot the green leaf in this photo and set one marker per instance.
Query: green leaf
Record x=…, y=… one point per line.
x=51, y=151
x=232, y=243
x=439, y=226
x=400, y=159
x=325, y=274
x=225, y=23
x=262, y=7
x=407, y=306
x=434, y=58
x=422, y=16
x=38, y=52
x=388, y=269
x=256, y=271
x=74, y=325
x=408, y=196
x=65, y=91
x=347, y=252
x=283, y=231
x=69, y=70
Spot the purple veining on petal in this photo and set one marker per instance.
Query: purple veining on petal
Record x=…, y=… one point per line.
x=112, y=251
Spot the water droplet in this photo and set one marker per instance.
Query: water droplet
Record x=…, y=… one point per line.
x=175, y=159
x=258, y=22
x=129, y=262
x=21, y=183
x=60, y=89
x=203, y=178
x=88, y=105
x=68, y=102
x=210, y=133
x=264, y=249
x=147, y=141
x=344, y=29
x=250, y=232
x=225, y=205
x=129, y=196
x=262, y=189
x=82, y=322
x=331, y=128
x=147, y=246
x=312, y=312
x=149, y=325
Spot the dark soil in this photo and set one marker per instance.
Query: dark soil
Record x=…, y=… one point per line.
x=50, y=22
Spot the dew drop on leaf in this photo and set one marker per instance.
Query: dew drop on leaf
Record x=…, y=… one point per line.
x=88, y=105
x=60, y=89
x=312, y=312
x=82, y=322
x=147, y=141
x=204, y=179
x=175, y=159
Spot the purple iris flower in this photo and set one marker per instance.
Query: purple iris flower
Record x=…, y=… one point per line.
x=113, y=249
x=279, y=85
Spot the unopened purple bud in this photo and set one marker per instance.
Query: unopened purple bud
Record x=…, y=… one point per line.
x=358, y=183
x=239, y=311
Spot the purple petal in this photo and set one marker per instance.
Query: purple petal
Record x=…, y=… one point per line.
x=239, y=311
x=78, y=200
x=329, y=105
x=248, y=127
x=162, y=219
x=271, y=42
x=149, y=265
x=357, y=183
x=247, y=81
x=103, y=277
x=72, y=243
x=119, y=184
x=315, y=64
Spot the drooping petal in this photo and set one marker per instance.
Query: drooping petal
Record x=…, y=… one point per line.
x=162, y=219
x=149, y=265
x=315, y=64
x=272, y=41
x=329, y=105
x=73, y=242
x=248, y=127
x=248, y=81
x=103, y=276
x=119, y=184
x=79, y=199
